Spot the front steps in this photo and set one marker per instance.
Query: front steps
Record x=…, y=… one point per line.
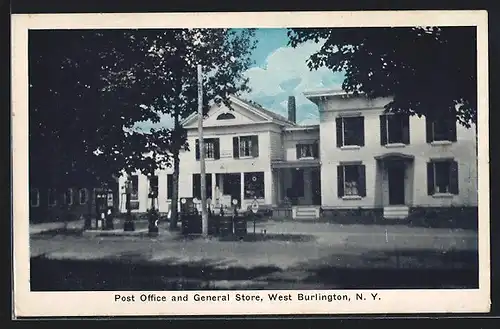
x=305, y=212
x=396, y=212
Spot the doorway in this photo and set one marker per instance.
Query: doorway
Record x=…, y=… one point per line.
x=231, y=185
x=396, y=174
x=316, y=186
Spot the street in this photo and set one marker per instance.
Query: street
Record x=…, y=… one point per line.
x=289, y=255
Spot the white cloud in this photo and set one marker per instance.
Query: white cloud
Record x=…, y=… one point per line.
x=286, y=73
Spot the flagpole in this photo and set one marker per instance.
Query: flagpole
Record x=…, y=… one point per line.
x=204, y=214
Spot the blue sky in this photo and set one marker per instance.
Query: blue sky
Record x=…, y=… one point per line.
x=281, y=71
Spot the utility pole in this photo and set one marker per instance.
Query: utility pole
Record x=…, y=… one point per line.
x=204, y=214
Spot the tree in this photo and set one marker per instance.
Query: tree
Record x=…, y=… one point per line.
x=164, y=68
x=80, y=129
x=427, y=71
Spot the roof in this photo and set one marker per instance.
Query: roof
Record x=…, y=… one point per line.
x=254, y=107
x=272, y=114
x=327, y=92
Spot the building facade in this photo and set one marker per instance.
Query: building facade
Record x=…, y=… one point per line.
x=357, y=157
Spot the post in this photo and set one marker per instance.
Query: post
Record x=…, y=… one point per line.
x=204, y=215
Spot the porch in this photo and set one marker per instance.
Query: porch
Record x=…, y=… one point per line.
x=394, y=184
x=297, y=188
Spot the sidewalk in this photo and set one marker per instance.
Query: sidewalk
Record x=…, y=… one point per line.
x=45, y=227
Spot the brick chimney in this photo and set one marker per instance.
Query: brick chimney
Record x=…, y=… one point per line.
x=292, y=111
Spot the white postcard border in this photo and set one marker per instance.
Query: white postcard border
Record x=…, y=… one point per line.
x=28, y=303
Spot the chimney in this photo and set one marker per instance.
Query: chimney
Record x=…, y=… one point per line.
x=292, y=112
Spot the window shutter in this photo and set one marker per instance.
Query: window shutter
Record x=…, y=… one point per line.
x=453, y=130
x=430, y=178
x=255, y=146
x=405, y=121
x=338, y=122
x=216, y=148
x=383, y=130
x=340, y=181
x=297, y=150
x=316, y=150
x=362, y=180
x=428, y=130
x=197, y=150
x=361, y=126
x=454, y=177
x=236, y=147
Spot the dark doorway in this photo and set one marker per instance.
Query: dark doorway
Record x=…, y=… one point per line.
x=231, y=185
x=316, y=186
x=396, y=173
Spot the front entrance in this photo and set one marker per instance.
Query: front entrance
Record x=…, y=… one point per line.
x=231, y=185
x=396, y=174
x=316, y=186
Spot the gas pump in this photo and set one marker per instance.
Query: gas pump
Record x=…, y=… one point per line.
x=109, y=210
x=153, y=217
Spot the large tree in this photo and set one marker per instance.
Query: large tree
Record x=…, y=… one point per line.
x=162, y=75
x=427, y=71
x=80, y=124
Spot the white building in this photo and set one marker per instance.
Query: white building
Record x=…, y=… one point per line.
x=356, y=158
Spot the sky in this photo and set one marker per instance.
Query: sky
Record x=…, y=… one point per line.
x=281, y=71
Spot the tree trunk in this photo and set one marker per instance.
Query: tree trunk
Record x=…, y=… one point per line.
x=174, y=212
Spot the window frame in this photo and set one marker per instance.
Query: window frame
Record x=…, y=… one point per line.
x=80, y=196
x=37, y=198
x=360, y=180
x=240, y=146
x=134, y=196
x=360, y=138
x=52, y=192
x=311, y=146
x=261, y=188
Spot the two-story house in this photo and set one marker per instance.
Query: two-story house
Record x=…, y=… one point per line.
x=250, y=153
x=391, y=162
x=357, y=157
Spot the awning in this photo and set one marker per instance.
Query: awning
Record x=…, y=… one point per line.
x=394, y=156
x=295, y=164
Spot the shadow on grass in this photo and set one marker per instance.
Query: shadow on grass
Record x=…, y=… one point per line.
x=251, y=237
x=409, y=269
x=129, y=273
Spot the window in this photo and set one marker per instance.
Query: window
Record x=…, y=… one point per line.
x=394, y=129
x=225, y=116
x=442, y=177
x=441, y=130
x=254, y=185
x=170, y=187
x=307, y=151
x=153, y=186
x=246, y=146
x=34, y=197
x=351, y=180
x=83, y=196
x=350, y=131
x=134, y=186
x=212, y=148
x=52, y=197
x=68, y=197
x=197, y=185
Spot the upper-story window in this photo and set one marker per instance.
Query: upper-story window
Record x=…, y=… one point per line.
x=441, y=130
x=442, y=177
x=246, y=146
x=226, y=116
x=350, y=131
x=307, y=151
x=394, y=129
x=212, y=149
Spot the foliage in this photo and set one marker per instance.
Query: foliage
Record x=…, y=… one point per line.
x=427, y=71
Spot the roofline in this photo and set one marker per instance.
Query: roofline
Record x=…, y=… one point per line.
x=327, y=92
x=304, y=127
